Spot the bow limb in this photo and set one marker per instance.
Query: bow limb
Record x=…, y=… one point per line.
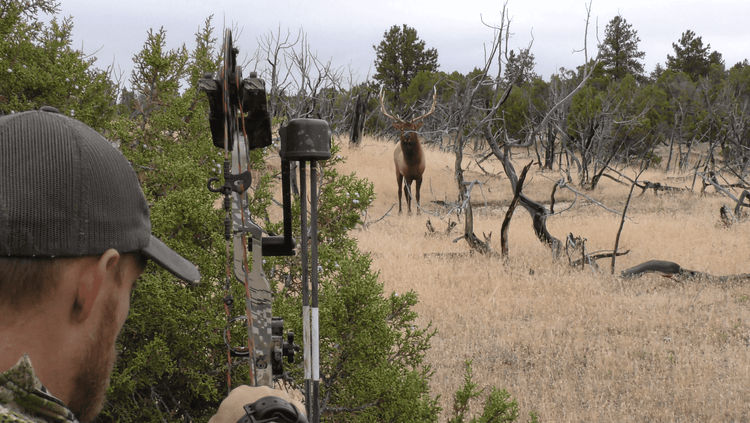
x=258, y=297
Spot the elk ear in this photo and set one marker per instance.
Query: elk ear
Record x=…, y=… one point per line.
x=399, y=126
x=418, y=125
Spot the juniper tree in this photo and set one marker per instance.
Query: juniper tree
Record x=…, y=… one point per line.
x=38, y=66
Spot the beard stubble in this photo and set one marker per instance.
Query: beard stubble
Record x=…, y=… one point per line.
x=93, y=376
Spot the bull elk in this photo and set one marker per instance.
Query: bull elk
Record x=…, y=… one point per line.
x=408, y=155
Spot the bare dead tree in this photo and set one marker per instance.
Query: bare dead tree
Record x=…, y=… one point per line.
x=272, y=48
x=464, y=118
x=311, y=76
x=537, y=211
x=472, y=121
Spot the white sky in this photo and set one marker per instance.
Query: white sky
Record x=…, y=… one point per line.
x=344, y=31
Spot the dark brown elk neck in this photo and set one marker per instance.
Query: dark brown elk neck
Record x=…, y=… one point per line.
x=411, y=147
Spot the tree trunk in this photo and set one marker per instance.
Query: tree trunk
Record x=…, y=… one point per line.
x=358, y=120
x=550, y=150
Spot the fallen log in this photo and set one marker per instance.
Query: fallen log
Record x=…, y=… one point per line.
x=675, y=271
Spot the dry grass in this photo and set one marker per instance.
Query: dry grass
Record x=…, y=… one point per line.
x=571, y=345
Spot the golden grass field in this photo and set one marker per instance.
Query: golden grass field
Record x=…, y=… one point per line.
x=571, y=345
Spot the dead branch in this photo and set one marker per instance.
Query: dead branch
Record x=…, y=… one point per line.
x=563, y=184
x=712, y=181
x=727, y=217
x=596, y=256
x=431, y=231
x=450, y=227
x=576, y=244
x=607, y=175
x=367, y=224
x=552, y=200
x=537, y=211
x=741, y=203
x=474, y=242
x=622, y=220
x=430, y=228
x=483, y=169
x=657, y=186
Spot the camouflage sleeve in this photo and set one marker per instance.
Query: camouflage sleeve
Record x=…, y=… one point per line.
x=24, y=399
x=9, y=416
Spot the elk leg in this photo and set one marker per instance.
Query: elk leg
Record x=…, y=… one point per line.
x=417, y=188
x=407, y=182
x=399, y=179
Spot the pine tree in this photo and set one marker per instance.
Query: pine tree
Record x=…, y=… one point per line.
x=619, y=51
x=691, y=57
x=399, y=58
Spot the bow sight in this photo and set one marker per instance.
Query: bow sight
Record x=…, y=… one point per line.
x=240, y=122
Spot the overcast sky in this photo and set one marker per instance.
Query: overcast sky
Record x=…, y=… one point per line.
x=344, y=31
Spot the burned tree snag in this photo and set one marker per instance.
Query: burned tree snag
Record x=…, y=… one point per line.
x=511, y=209
x=537, y=211
x=358, y=119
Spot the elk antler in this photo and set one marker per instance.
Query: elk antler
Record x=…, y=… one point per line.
x=382, y=107
x=434, y=102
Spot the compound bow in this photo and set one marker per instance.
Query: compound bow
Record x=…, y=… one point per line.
x=236, y=103
x=239, y=122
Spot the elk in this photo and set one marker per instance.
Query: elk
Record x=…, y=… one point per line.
x=408, y=155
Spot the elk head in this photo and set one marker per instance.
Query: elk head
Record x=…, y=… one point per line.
x=408, y=156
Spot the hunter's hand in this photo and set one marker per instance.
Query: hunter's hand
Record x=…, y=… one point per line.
x=231, y=409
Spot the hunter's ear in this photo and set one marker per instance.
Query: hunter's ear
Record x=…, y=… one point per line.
x=93, y=274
